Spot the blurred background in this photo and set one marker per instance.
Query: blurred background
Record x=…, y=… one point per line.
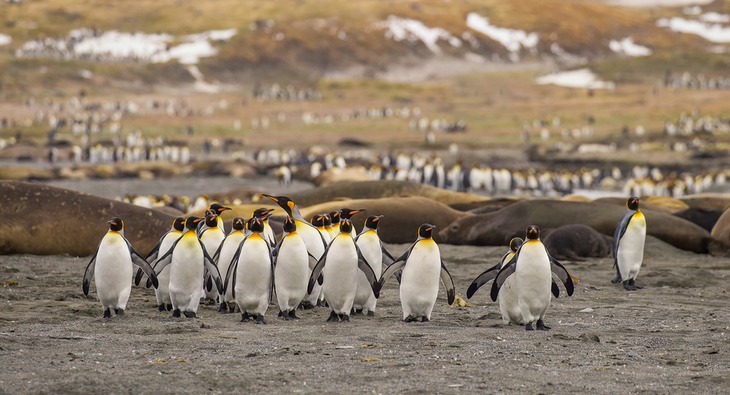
x=548, y=97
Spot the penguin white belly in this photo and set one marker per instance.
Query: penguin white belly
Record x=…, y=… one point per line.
x=162, y=292
x=186, y=274
x=253, y=276
x=113, y=272
x=631, y=248
x=224, y=260
x=419, y=286
x=533, y=279
x=340, y=276
x=509, y=304
x=370, y=248
x=291, y=273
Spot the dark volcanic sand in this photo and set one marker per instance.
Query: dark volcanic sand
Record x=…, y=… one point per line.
x=671, y=337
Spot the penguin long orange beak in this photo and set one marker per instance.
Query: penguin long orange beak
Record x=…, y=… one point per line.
x=266, y=212
x=355, y=211
x=270, y=197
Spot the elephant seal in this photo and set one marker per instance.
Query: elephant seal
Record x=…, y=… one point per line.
x=703, y=217
x=498, y=227
x=402, y=215
x=31, y=214
x=379, y=189
x=576, y=242
x=721, y=232
x=710, y=201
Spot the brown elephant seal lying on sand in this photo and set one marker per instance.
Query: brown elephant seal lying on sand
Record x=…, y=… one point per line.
x=575, y=242
x=43, y=220
x=498, y=227
x=402, y=215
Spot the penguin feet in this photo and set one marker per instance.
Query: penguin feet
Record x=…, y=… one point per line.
x=245, y=317
x=284, y=315
x=333, y=317
x=371, y=313
x=223, y=309
x=344, y=317
x=292, y=315
x=632, y=282
x=161, y=307
x=306, y=305
x=528, y=326
x=190, y=314
x=322, y=303
x=107, y=313
x=425, y=319
x=356, y=312
x=616, y=279
x=541, y=326
x=176, y=313
x=119, y=311
x=169, y=307
x=630, y=285
x=410, y=318
x=260, y=319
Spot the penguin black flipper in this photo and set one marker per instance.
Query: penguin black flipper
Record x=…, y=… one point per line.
x=231, y=273
x=150, y=258
x=89, y=273
x=363, y=264
x=555, y=289
x=562, y=273
x=486, y=276
x=209, y=264
x=142, y=263
x=507, y=270
x=166, y=258
x=317, y=270
x=448, y=283
x=397, y=265
x=618, y=234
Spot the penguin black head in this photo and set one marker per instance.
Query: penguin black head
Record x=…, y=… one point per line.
x=255, y=225
x=347, y=213
x=116, y=224
x=178, y=224
x=515, y=244
x=373, y=221
x=327, y=220
x=425, y=231
x=633, y=203
x=238, y=223
x=533, y=232
x=318, y=220
x=283, y=202
x=211, y=220
x=345, y=226
x=192, y=222
x=289, y=225
x=335, y=217
x=217, y=208
x=262, y=212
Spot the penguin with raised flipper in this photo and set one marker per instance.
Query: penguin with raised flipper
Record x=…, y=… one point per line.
x=376, y=255
x=162, y=292
x=224, y=256
x=532, y=267
x=628, y=245
x=489, y=274
x=338, y=268
x=422, y=269
x=111, y=266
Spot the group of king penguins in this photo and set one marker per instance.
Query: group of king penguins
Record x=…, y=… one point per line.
x=324, y=262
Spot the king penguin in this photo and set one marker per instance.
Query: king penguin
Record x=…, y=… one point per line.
x=251, y=274
x=162, y=292
x=532, y=267
x=422, y=268
x=224, y=256
x=312, y=239
x=322, y=222
x=188, y=260
x=263, y=214
x=628, y=245
x=211, y=236
x=291, y=270
x=112, y=269
x=347, y=213
x=375, y=254
x=338, y=268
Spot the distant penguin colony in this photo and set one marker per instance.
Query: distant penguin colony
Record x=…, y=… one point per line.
x=326, y=263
